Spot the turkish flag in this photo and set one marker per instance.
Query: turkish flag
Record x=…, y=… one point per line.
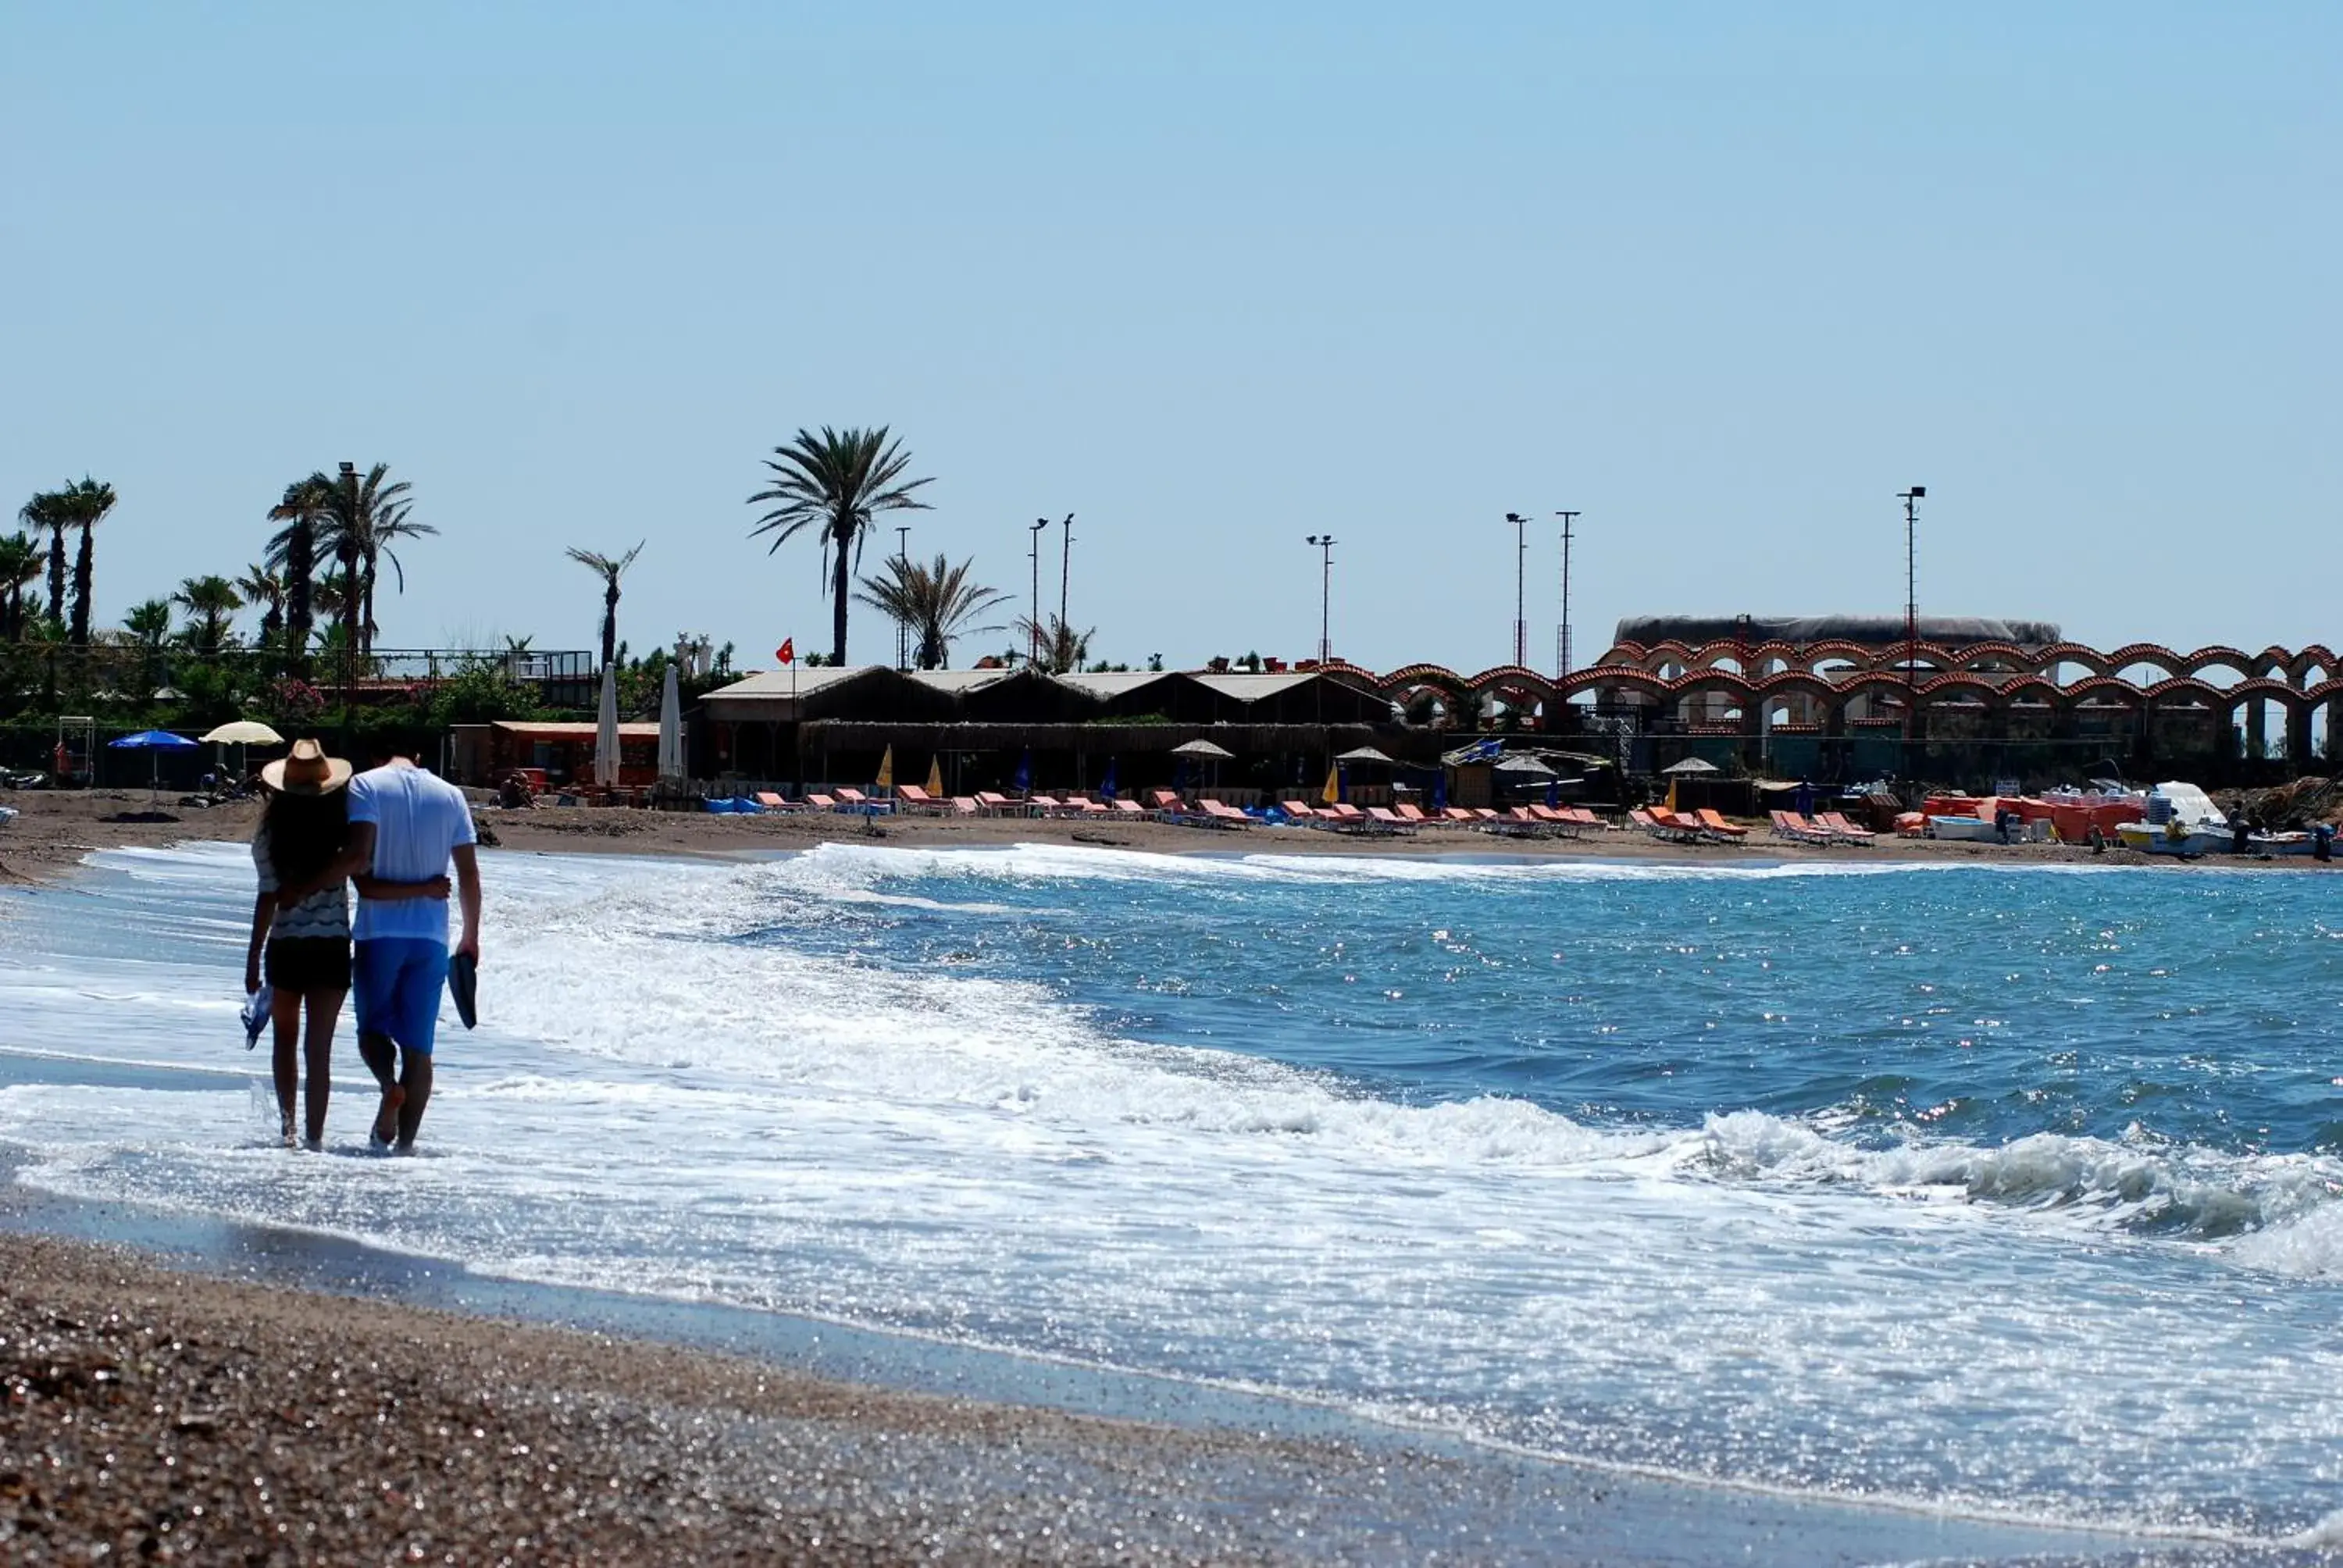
x=788, y=652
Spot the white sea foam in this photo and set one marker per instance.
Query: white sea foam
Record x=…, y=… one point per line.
x=670, y=1094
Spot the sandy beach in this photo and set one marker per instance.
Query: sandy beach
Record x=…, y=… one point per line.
x=55, y=830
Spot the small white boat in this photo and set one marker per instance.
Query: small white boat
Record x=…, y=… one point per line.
x=2181, y=820
x=1973, y=829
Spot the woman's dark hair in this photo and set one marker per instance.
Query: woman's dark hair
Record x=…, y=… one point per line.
x=305, y=831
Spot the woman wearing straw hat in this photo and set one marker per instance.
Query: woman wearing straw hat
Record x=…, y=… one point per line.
x=303, y=951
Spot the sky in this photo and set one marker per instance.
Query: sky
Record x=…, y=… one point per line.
x=1723, y=278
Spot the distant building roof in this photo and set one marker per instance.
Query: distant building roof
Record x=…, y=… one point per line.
x=568, y=729
x=783, y=683
x=1114, y=682
x=1246, y=687
x=958, y=680
x=1871, y=631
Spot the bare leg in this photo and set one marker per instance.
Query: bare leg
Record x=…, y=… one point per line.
x=325, y=1011
x=284, y=1017
x=381, y=1058
x=419, y=1093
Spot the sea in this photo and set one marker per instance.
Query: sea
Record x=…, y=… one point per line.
x=2011, y=1192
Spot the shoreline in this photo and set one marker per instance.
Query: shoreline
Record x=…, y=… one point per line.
x=676, y=1432
x=54, y=831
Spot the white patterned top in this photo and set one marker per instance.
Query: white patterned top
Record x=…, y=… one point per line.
x=325, y=913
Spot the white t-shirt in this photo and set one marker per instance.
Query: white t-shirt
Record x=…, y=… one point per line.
x=418, y=820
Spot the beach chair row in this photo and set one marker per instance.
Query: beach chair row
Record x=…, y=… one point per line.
x=1824, y=827
x=1535, y=822
x=1702, y=827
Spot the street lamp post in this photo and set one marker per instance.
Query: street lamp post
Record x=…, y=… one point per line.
x=1562, y=639
x=1911, y=499
x=1325, y=543
x=1520, y=569
x=1065, y=565
x=903, y=627
x=1033, y=623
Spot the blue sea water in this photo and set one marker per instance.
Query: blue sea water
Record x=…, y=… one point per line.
x=2015, y=1191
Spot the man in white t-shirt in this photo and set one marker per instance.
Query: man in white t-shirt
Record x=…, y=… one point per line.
x=406, y=826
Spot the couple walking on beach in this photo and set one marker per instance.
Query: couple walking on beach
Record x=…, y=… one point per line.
x=394, y=832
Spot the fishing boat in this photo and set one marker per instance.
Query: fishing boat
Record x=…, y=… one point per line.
x=2181, y=820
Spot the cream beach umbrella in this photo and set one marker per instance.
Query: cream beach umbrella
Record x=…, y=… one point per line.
x=670, y=747
x=244, y=732
x=606, y=732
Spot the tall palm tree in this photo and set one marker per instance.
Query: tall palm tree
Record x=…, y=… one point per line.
x=937, y=602
x=47, y=509
x=365, y=515
x=307, y=513
x=836, y=483
x=378, y=529
x=261, y=587
x=1062, y=649
x=612, y=568
x=211, y=603
x=87, y=503
x=20, y=567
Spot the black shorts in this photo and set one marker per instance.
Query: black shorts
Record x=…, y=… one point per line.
x=300, y=965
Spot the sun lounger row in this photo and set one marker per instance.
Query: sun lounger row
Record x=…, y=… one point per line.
x=1701, y=827
x=1821, y=828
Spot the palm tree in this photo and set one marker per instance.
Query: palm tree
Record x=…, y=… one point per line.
x=261, y=587
x=837, y=483
x=149, y=622
x=211, y=603
x=87, y=502
x=363, y=516
x=20, y=566
x=308, y=512
x=936, y=602
x=612, y=568
x=377, y=532
x=1062, y=649
x=47, y=509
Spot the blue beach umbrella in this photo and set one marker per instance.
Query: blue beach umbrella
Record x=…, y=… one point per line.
x=1106, y=788
x=151, y=741
x=1023, y=783
x=1552, y=795
x=1440, y=791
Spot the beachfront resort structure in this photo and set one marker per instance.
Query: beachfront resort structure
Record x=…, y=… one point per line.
x=1833, y=698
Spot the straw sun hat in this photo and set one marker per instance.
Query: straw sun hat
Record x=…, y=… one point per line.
x=306, y=771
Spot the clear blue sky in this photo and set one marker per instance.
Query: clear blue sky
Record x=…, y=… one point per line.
x=1725, y=278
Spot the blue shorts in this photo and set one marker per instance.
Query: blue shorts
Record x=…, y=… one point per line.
x=396, y=982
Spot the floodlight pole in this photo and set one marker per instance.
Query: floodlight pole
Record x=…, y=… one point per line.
x=902, y=626
x=1520, y=570
x=1325, y=543
x=1911, y=499
x=1562, y=652
x=1033, y=626
x=1065, y=565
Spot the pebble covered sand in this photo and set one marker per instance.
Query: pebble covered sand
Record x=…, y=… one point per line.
x=148, y=1416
